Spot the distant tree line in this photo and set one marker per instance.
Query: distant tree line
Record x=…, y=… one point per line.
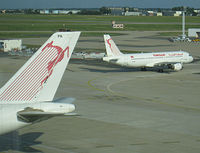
x=188, y=10
x=101, y=11
x=105, y=10
x=89, y=12
x=31, y=11
x=22, y=11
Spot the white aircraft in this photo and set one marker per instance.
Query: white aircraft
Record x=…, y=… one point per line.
x=28, y=96
x=172, y=60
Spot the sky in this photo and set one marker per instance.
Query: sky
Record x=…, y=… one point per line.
x=40, y=4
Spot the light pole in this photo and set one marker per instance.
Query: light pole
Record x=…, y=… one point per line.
x=183, y=24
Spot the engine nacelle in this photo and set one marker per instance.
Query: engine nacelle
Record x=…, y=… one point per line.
x=177, y=66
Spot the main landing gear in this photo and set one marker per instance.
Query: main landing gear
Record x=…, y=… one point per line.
x=160, y=70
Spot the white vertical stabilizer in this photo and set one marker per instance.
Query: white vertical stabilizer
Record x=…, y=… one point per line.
x=111, y=48
x=40, y=76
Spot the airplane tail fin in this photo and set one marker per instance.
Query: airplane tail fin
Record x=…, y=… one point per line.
x=111, y=48
x=38, y=79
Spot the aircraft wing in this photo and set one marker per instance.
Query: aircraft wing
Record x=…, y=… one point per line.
x=165, y=63
x=159, y=64
x=151, y=64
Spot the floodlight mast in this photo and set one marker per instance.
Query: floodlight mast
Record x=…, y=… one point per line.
x=183, y=24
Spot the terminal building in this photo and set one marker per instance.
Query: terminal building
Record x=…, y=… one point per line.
x=10, y=45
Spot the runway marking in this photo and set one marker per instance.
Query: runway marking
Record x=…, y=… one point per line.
x=108, y=87
x=105, y=146
x=92, y=86
x=144, y=99
x=141, y=143
x=55, y=149
x=170, y=142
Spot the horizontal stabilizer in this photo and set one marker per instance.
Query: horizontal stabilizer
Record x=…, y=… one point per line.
x=113, y=60
x=110, y=59
x=36, y=116
x=64, y=100
x=71, y=114
x=43, y=111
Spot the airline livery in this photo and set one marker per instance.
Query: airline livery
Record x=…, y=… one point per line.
x=172, y=60
x=28, y=96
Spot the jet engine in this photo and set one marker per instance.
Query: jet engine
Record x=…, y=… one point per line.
x=177, y=66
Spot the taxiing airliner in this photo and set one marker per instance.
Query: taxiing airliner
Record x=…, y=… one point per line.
x=172, y=59
x=28, y=96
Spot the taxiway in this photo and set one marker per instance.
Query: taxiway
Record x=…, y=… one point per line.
x=121, y=110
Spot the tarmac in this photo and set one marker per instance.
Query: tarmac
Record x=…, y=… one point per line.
x=122, y=110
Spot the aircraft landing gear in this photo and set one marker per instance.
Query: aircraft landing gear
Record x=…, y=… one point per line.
x=160, y=70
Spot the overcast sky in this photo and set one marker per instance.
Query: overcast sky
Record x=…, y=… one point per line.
x=6, y=4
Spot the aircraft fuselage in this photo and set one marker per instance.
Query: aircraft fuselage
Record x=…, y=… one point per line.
x=149, y=59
